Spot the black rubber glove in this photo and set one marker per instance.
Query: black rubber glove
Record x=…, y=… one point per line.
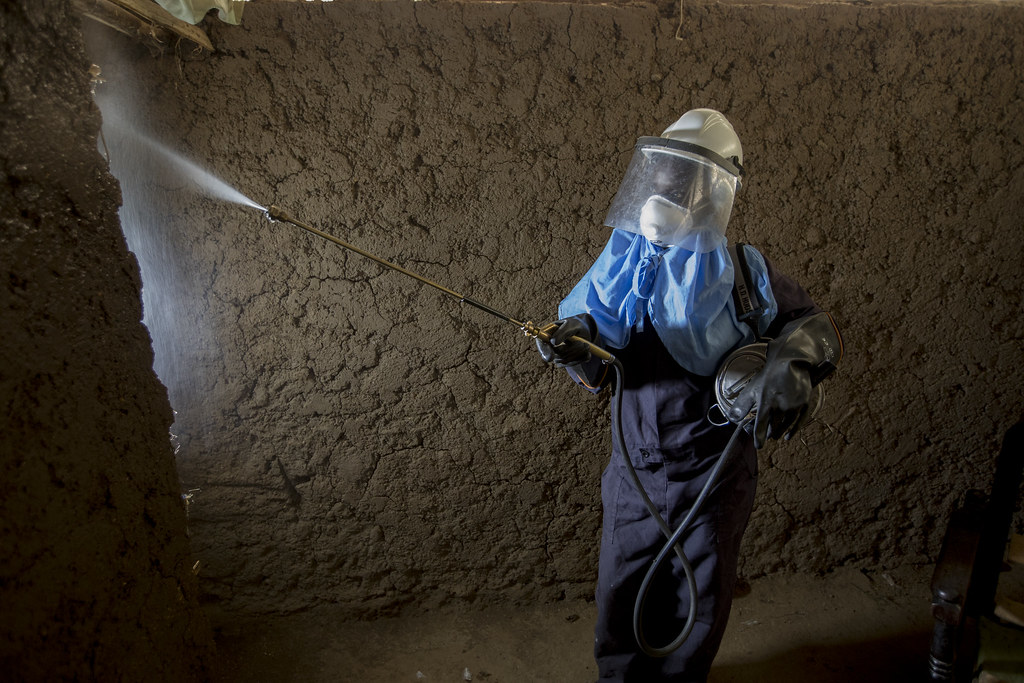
x=561, y=350
x=804, y=353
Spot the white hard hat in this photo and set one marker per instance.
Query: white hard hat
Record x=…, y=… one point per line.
x=707, y=128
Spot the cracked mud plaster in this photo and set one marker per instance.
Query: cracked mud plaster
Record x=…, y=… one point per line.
x=362, y=440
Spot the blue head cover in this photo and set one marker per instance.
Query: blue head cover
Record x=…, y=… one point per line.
x=688, y=297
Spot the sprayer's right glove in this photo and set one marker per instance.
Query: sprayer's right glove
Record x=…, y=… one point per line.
x=805, y=352
x=561, y=350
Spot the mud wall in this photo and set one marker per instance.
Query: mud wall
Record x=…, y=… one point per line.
x=95, y=574
x=351, y=437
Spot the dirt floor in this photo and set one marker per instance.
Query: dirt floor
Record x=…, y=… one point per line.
x=849, y=625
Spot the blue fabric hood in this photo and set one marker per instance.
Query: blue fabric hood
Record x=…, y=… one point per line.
x=686, y=295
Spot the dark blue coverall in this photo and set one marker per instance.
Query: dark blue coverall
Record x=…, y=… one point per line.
x=673, y=447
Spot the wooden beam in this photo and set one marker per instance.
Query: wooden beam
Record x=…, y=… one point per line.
x=120, y=20
x=141, y=19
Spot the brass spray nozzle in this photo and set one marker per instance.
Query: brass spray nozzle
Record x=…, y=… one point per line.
x=276, y=213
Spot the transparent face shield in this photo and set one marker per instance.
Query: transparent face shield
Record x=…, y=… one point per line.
x=675, y=194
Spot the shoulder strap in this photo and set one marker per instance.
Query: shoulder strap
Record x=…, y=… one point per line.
x=748, y=306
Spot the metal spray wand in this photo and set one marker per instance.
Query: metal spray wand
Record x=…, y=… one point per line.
x=276, y=213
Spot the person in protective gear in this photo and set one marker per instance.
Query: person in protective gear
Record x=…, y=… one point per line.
x=661, y=297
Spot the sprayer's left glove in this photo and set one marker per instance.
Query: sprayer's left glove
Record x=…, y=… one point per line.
x=805, y=352
x=563, y=351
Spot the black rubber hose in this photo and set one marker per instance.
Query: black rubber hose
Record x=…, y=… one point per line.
x=672, y=542
x=733, y=447
x=665, y=530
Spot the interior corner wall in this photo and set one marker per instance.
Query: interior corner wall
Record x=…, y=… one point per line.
x=354, y=438
x=95, y=569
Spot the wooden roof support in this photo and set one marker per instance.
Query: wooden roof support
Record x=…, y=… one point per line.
x=141, y=19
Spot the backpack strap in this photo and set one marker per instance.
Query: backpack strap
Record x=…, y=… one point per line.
x=744, y=295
